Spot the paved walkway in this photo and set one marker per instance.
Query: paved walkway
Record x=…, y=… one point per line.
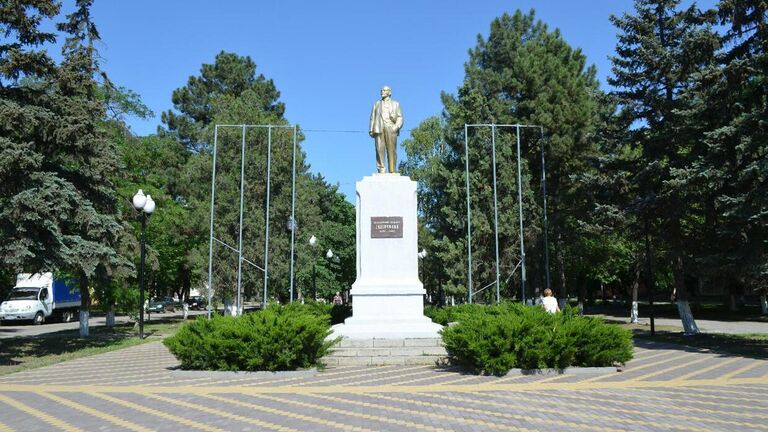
x=664, y=388
x=706, y=326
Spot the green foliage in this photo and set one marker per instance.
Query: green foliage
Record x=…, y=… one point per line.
x=229, y=76
x=229, y=92
x=520, y=73
x=337, y=313
x=58, y=206
x=445, y=315
x=277, y=338
x=495, y=339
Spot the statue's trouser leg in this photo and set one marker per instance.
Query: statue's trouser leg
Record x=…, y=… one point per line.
x=378, y=140
x=391, y=142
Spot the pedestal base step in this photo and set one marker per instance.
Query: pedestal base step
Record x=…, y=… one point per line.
x=381, y=352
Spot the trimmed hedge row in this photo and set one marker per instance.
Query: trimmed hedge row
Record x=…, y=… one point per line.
x=495, y=339
x=278, y=338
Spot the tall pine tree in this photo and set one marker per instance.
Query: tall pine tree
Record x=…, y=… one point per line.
x=59, y=208
x=660, y=48
x=522, y=73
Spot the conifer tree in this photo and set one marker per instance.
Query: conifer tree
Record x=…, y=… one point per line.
x=522, y=73
x=726, y=110
x=59, y=208
x=659, y=49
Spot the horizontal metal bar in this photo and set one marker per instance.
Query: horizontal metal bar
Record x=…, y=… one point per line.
x=485, y=287
x=251, y=263
x=503, y=125
x=257, y=126
x=235, y=250
x=513, y=271
x=226, y=245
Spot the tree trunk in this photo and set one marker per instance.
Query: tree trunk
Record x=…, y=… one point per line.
x=681, y=296
x=111, y=317
x=85, y=305
x=763, y=304
x=634, y=315
x=562, y=293
x=582, y=295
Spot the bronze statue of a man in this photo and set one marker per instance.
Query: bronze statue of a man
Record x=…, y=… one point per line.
x=386, y=122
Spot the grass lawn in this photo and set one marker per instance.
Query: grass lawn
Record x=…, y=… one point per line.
x=22, y=353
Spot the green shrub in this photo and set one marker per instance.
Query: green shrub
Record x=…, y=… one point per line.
x=277, y=338
x=495, y=339
x=338, y=313
x=445, y=315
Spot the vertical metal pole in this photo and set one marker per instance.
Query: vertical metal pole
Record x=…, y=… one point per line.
x=649, y=275
x=469, y=217
x=520, y=215
x=495, y=209
x=293, y=210
x=314, y=281
x=546, y=223
x=210, y=239
x=141, y=275
x=266, y=218
x=238, y=301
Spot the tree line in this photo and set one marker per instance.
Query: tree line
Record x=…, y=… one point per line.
x=658, y=182
x=69, y=166
x=672, y=157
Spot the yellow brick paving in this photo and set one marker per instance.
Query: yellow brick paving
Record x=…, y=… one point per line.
x=662, y=389
x=314, y=420
x=198, y=407
x=347, y=412
x=652, y=403
x=5, y=428
x=39, y=414
x=94, y=412
x=485, y=424
x=509, y=401
x=157, y=413
x=452, y=399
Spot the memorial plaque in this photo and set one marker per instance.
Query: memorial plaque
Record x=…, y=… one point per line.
x=386, y=227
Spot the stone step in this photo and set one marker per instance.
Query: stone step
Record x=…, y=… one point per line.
x=387, y=343
x=384, y=361
x=389, y=352
x=380, y=352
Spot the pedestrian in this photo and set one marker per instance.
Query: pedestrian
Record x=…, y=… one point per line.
x=550, y=302
x=337, y=300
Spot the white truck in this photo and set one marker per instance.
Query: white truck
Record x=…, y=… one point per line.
x=38, y=296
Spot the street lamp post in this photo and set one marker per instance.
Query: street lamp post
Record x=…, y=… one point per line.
x=292, y=226
x=146, y=205
x=313, y=243
x=422, y=255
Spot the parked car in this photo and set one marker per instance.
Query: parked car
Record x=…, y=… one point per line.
x=165, y=304
x=197, y=303
x=156, y=306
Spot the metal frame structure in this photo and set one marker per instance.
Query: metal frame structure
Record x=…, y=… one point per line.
x=239, y=249
x=520, y=264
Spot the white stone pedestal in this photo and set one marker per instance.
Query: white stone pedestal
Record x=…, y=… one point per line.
x=387, y=297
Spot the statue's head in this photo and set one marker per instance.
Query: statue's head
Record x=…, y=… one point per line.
x=386, y=92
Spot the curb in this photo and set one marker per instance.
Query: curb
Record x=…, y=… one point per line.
x=244, y=374
x=566, y=371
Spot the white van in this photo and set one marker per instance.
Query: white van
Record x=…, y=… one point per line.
x=38, y=296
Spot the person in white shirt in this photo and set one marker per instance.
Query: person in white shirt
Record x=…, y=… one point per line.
x=550, y=302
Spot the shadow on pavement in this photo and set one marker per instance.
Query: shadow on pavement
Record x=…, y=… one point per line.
x=718, y=343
